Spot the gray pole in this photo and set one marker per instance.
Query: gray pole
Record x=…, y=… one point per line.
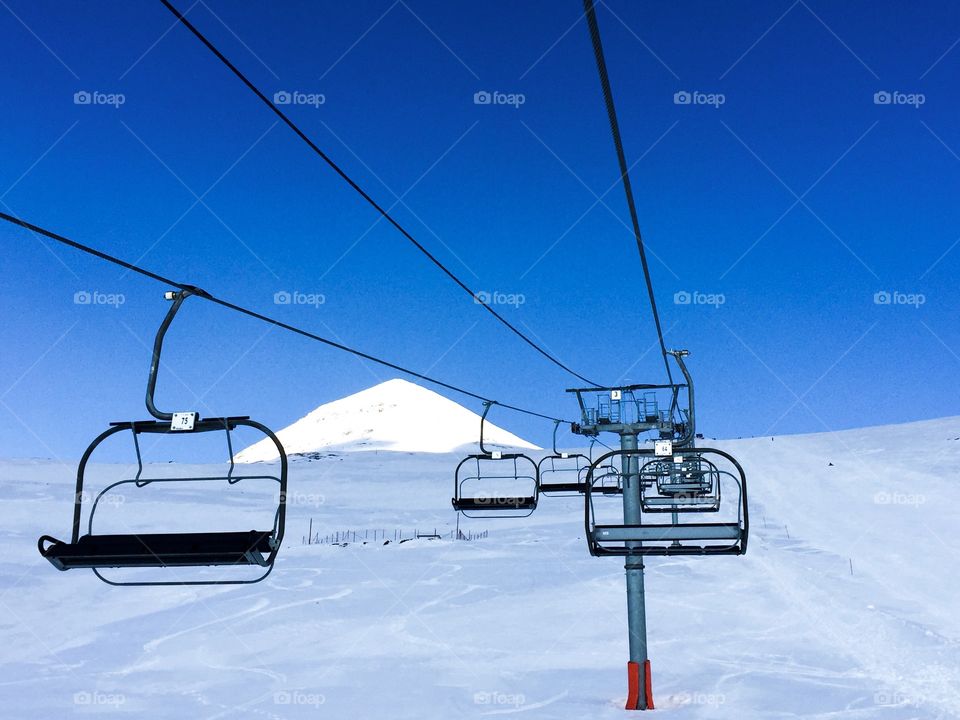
x=636, y=610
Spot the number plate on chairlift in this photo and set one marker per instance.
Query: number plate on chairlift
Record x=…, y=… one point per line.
x=183, y=421
x=496, y=454
x=615, y=394
x=663, y=448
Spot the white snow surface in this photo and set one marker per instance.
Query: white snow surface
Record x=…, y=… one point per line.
x=395, y=415
x=521, y=623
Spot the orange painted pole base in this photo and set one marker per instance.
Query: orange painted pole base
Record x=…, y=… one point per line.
x=635, y=699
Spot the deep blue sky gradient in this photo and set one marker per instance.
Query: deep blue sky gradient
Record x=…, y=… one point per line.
x=506, y=196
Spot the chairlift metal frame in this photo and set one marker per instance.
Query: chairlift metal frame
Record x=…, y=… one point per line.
x=636, y=408
x=547, y=467
x=470, y=472
x=141, y=550
x=621, y=539
x=683, y=481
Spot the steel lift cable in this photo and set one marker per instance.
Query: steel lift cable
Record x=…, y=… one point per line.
x=360, y=191
x=624, y=171
x=258, y=316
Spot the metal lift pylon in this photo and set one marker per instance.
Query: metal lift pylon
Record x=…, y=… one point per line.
x=631, y=411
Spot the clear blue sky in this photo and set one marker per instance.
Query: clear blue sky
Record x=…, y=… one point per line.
x=796, y=199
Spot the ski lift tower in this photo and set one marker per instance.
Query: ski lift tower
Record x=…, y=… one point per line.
x=630, y=411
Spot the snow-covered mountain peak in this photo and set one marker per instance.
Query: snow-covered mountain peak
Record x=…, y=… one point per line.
x=395, y=415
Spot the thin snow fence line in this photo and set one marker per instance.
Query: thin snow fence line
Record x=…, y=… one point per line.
x=385, y=537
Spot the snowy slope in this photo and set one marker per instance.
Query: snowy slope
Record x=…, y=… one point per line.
x=394, y=415
x=522, y=621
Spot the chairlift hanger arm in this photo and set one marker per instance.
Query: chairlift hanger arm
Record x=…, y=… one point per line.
x=177, y=296
x=483, y=421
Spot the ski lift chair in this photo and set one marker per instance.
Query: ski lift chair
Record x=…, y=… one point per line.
x=683, y=482
x=561, y=473
x=727, y=535
x=166, y=550
x=565, y=474
x=493, y=483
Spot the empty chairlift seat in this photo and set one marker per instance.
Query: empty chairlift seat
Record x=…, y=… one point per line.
x=562, y=473
x=241, y=547
x=683, y=486
x=496, y=484
x=684, y=482
x=493, y=483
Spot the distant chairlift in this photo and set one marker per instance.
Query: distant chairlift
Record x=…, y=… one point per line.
x=165, y=550
x=674, y=477
x=493, y=483
x=682, y=484
x=564, y=474
x=686, y=481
